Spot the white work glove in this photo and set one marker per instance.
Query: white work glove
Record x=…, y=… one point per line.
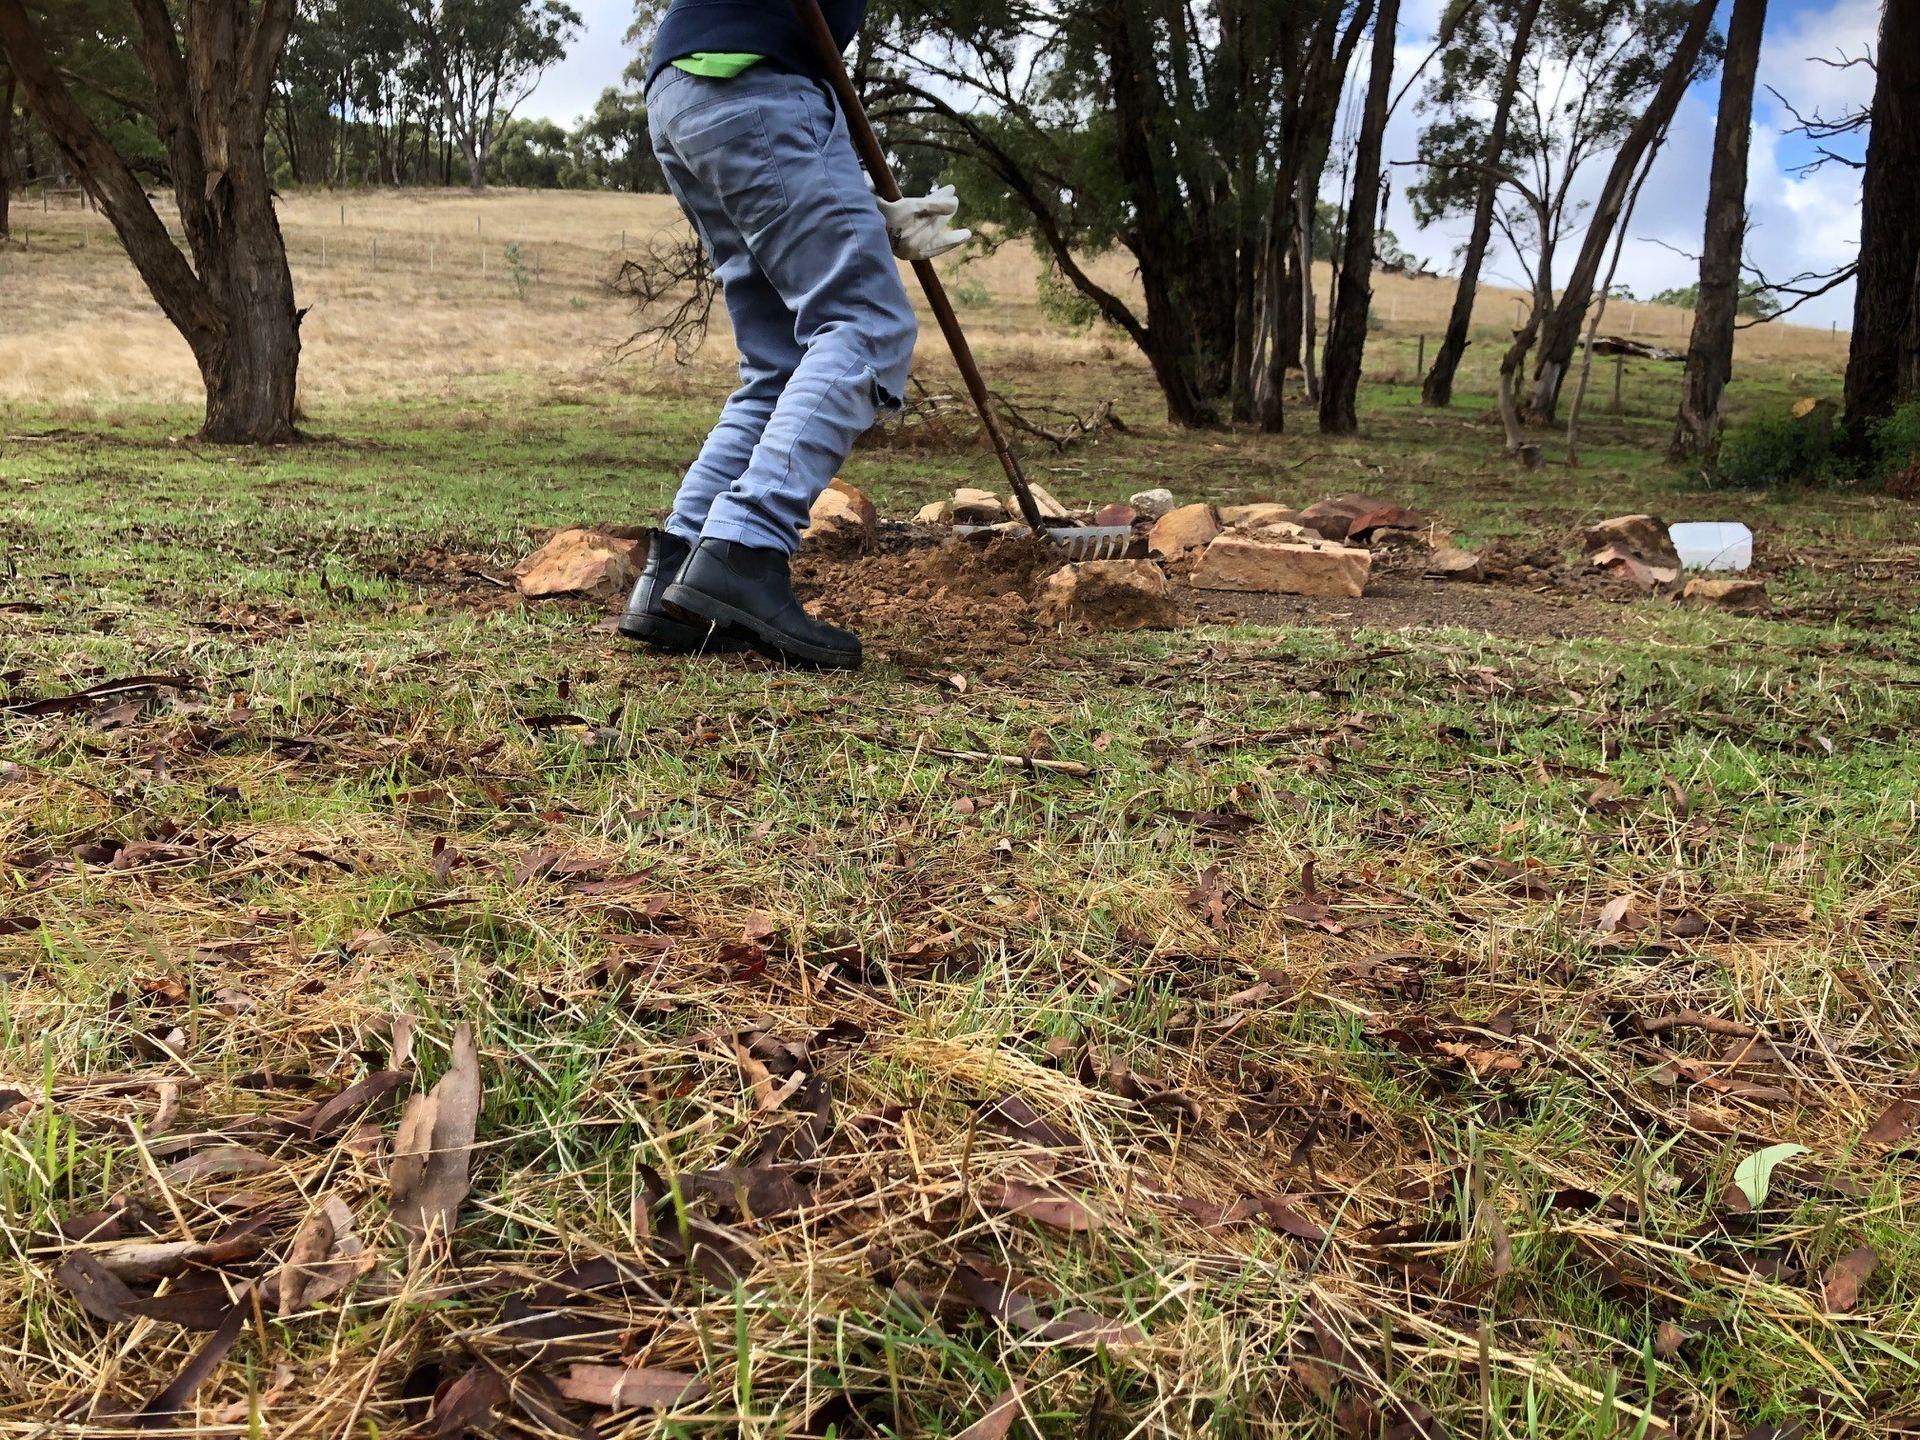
x=918, y=228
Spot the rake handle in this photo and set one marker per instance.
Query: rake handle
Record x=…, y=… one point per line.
x=867, y=144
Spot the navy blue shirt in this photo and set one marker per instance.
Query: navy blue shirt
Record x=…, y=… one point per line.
x=758, y=27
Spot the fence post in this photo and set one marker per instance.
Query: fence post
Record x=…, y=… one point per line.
x=323, y=252
x=343, y=217
x=1420, y=365
x=1619, y=371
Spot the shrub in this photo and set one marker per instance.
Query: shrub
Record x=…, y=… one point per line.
x=1061, y=300
x=970, y=292
x=1778, y=449
x=1896, y=442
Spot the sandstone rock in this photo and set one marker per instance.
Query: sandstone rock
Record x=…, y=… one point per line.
x=1748, y=596
x=582, y=562
x=1178, y=531
x=1115, y=515
x=1151, y=504
x=1257, y=516
x=1049, y=508
x=1642, y=537
x=1623, y=564
x=1249, y=562
x=1287, y=530
x=1110, y=595
x=977, y=507
x=1352, y=516
x=938, y=513
x=841, y=509
x=1450, y=562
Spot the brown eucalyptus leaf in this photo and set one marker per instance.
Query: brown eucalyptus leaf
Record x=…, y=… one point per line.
x=100, y=1292
x=434, y=1146
x=466, y=1403
x=311, y=1244
x=164, y=1408
x=332, y=1114
x=1898, y=1123
x=1053, y=1208
x=631, y=1387
x=216, y=1161
x=1840, y=1286
x=999, y=1418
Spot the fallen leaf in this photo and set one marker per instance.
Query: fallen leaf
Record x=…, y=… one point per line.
x=100, y=1292
x=760, y=1190
x=1753, y=1175
x=332, y=1114
x=1053, y=1208
x=201, y=1304
x=467, y=1403
x=218, y=1160
x=434, y=1146
x=311, y=1244
x=631, y=1387
x=1667, y=1339
x=174, y=1399
x=1001, y=1297
x=1840, y=1286
x=1898, y=1123
x=1014, y=1116
x=1617, y=915
x=999, y=1418
x=154, y=1260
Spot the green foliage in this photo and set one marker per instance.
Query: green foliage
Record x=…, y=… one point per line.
x=1061, y=301
x=969, y=291
x=1896, y=441
x=518, y=275
x=1756, y=302
x=1777, y=450
x=537, y=155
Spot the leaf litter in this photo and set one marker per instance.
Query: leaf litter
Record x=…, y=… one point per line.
x=1247, y=1045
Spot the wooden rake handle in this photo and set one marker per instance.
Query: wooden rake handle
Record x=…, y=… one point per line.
x=867, y=144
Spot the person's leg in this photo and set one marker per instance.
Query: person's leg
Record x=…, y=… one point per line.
x=813, y=231
x=763, y=326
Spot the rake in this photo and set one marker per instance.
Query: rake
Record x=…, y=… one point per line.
x=1081, y=542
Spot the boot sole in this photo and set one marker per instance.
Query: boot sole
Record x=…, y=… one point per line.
x=664, y=633
x=780, y=644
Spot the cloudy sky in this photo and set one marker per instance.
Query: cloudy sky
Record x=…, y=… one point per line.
x=1796, y=223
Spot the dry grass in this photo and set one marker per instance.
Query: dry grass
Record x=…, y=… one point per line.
x=400, y=302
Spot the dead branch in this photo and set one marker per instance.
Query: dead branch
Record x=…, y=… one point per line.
x=673, y=287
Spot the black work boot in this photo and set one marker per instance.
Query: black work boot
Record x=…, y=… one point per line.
x=645, y=620
x=748, y=588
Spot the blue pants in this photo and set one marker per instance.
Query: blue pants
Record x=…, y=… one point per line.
x=764, y=169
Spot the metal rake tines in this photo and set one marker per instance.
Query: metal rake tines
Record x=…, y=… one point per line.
x=1081, y=542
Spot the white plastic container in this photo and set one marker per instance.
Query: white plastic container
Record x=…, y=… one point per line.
x=1712, y=544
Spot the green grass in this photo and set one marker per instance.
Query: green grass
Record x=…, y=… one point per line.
x=1428, y=1068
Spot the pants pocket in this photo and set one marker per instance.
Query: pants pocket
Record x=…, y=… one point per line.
x=733, y=158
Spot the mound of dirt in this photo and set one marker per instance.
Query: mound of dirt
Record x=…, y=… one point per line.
x=964, y=594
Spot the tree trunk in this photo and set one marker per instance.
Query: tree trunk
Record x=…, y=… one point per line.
x=233, y=302
x=1347, y=330
x=250, y=372
x=1883, y=358
x=1309, y=318
x=476, y=163
x=1437, y=388
x=1710, y=349
x=1600, y=308
x=6, y=148
x=1560, y=335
